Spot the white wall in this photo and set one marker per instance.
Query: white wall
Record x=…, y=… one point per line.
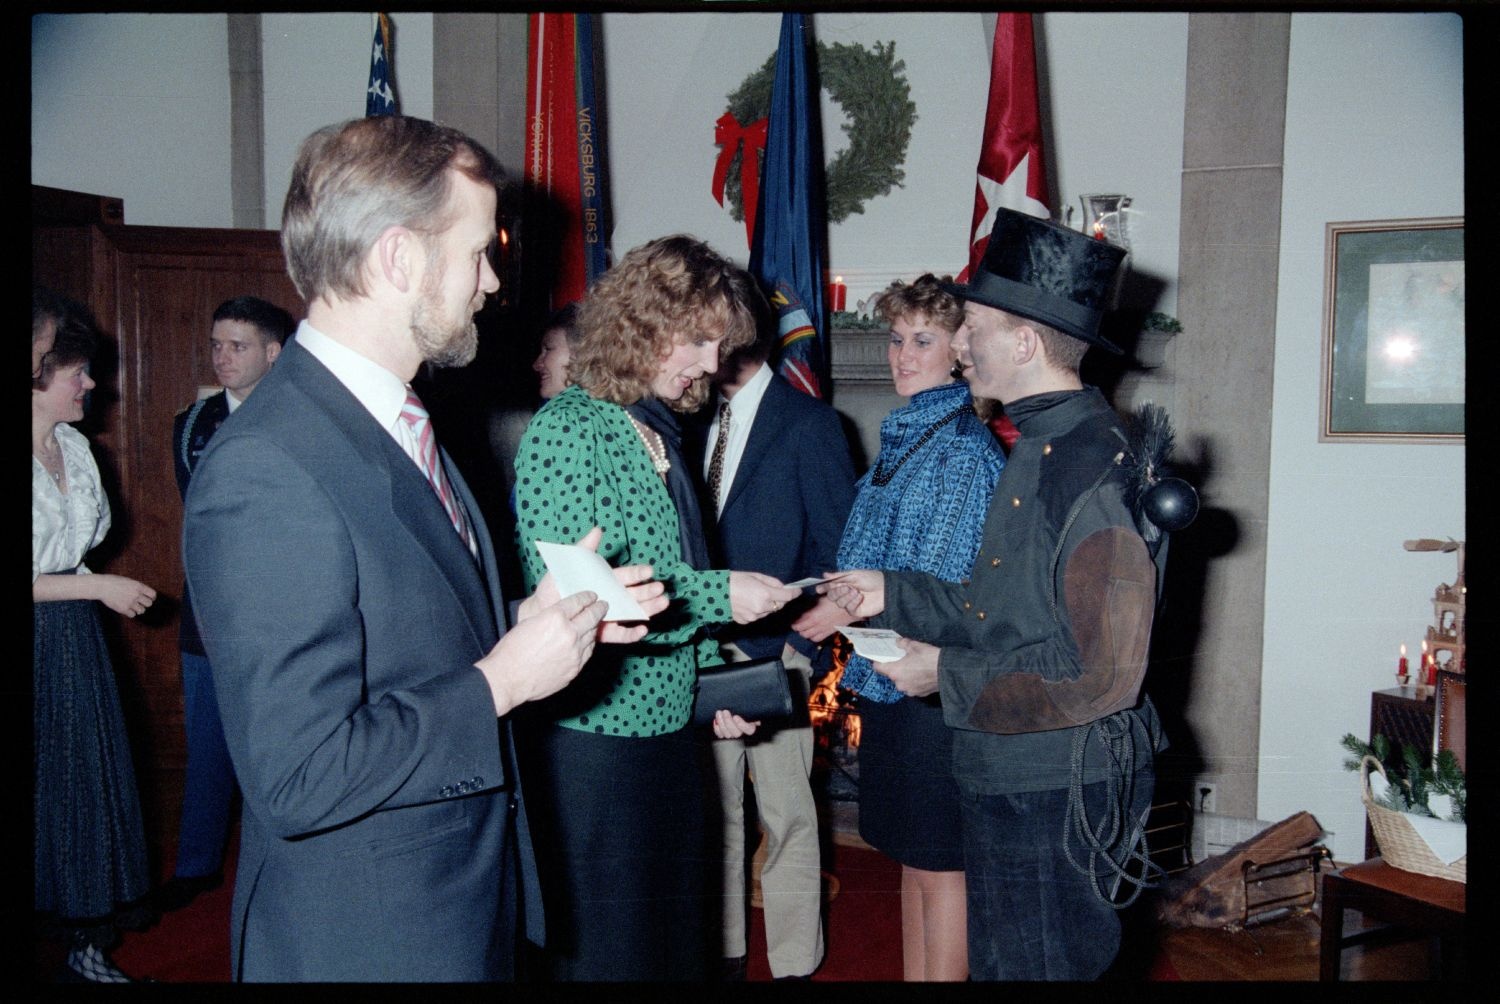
x=134, y=106
x=316, y=67
x=1116, y=125
x=1118, y=86
x=137, y=105
x=1374, y=130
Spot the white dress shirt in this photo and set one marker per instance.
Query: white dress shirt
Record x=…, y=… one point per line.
x=380, y=391
x=742, y=409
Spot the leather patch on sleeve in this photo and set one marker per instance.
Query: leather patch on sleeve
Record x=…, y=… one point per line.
x=1110, y=591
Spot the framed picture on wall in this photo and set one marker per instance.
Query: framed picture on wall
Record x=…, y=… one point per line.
x=1393, y=332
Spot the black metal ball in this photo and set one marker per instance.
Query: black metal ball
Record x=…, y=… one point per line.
x=1171, y=504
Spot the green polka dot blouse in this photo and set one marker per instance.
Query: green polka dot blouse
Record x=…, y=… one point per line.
x=581, y=464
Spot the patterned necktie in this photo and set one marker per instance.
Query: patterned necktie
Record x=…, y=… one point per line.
x=716, y=462
x=416, y=417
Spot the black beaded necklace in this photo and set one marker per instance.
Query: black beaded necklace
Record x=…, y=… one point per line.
x=883, y=477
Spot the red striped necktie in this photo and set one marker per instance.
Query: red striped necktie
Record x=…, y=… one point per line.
x=416, y=417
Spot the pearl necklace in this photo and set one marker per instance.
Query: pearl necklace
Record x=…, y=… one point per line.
x=655, y=449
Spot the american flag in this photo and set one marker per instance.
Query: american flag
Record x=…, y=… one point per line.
x=379, y=98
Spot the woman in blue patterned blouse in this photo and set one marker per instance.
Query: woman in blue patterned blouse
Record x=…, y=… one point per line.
x=920, y=508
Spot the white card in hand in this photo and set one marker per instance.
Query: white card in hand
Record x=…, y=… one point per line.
x=875, y=644
x=577, y=569
x=816, y=580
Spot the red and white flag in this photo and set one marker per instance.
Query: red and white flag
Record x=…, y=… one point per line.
x=1011, y=172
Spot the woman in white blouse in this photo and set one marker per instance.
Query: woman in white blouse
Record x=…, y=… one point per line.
x=90, y=847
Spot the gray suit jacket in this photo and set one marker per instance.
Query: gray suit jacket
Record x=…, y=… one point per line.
x=342, y=616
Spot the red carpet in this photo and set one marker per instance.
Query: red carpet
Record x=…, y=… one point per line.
x=863, y=936
x=862, y=940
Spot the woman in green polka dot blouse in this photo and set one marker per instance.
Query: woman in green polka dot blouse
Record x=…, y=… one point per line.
x=611, y=765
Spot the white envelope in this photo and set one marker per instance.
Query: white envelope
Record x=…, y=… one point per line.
x=875, y=644
x=577, y=569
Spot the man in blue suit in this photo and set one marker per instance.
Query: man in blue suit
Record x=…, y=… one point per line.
x=780, y=478
x=347, y=594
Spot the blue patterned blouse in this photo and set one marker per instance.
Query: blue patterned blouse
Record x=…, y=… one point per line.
x=928, y=515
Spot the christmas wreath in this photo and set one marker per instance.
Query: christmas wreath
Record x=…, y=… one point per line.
x=871, y=87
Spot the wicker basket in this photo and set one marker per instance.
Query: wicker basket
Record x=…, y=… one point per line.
x=1400, y=844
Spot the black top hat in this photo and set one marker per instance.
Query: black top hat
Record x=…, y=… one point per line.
x=1048, y=273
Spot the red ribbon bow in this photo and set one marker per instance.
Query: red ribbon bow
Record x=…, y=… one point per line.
x=728, y=135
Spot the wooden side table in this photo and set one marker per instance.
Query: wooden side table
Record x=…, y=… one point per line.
x=1404, y=899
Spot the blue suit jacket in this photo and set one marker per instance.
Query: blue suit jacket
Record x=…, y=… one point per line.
x=784, y=513
x=192, y=428
x=342, y=616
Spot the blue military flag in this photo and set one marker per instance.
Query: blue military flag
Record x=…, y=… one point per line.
x=786, y=254
x=379, y=98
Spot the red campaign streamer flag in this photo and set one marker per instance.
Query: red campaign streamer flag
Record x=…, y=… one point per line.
x=1012, y=137
x=564, y=146
x=729, y=135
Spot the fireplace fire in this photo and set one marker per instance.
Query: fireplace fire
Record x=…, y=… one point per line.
x=824, y=705
x=836, y=725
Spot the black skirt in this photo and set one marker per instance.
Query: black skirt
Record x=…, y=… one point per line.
x=908, y=801
x=90, y=845
x=622, y=852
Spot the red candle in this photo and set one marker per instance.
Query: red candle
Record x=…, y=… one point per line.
x=1401, y=663
x=837, y=293
x=1098, y=230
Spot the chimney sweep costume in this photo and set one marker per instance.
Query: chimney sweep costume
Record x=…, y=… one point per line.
x=1044, y=646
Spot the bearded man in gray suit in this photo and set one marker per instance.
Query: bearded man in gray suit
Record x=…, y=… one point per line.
x=347, y=594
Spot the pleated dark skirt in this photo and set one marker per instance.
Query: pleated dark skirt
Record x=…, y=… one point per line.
x=908, y=800
x=619, y=830
x=90, y=845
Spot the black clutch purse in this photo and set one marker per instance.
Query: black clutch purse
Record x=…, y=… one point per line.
x=756, y=691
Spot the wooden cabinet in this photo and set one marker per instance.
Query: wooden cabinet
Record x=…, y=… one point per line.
x=152, y=291
x=1402, y=717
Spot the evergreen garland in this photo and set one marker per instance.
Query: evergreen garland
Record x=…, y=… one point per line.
x=871, y=87
x=1413, y=778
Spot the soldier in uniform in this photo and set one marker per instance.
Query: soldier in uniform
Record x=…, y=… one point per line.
x=246, y=336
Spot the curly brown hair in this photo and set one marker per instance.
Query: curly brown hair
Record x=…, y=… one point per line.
x=664, y=293
x=921, y=298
